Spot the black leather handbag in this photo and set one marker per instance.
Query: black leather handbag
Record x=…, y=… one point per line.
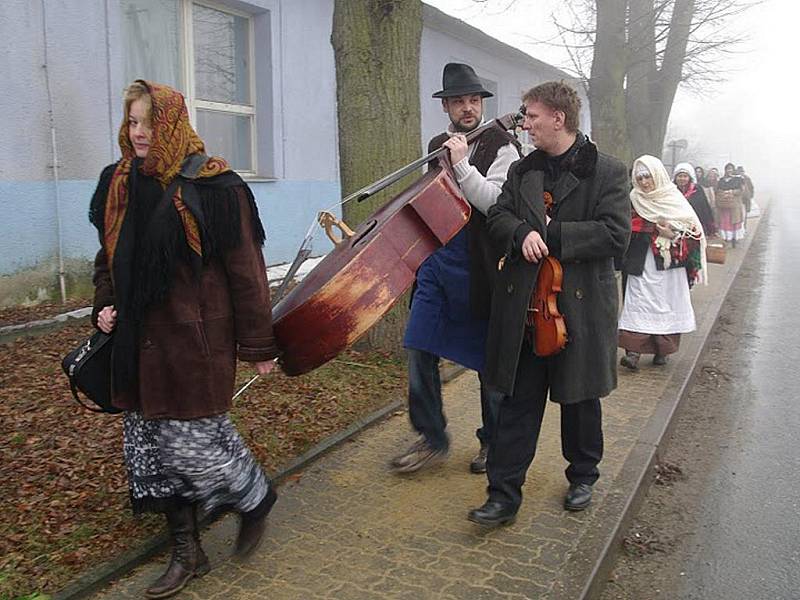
x=88, y=368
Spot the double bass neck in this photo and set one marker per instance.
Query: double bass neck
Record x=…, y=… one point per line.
x=506, y=122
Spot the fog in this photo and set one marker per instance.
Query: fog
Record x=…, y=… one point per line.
x=750, y=119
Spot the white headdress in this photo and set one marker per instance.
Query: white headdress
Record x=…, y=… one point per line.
x=666, y=202
x=684, y=167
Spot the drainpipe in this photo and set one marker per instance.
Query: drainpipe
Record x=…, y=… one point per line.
x=54, y=146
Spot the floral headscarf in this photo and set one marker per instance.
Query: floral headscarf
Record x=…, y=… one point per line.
x=173, y=141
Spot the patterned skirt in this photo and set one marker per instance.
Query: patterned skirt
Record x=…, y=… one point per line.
x=200, y=460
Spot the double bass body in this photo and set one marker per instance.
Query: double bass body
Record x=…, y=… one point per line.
x=370, y=268
x=368, y=271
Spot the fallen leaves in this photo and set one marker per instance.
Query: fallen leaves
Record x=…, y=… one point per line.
x=667, y=473
x=62, y=477
x=642, y=541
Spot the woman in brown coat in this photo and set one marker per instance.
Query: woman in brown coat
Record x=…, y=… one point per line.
x=180, y=279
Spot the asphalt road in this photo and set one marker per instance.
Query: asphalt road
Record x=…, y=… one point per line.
x=725, y=520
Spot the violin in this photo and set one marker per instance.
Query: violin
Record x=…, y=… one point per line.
x=548, y=325
x=370, y=267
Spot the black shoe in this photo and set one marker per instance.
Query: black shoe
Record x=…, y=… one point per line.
x=659, y=360
x=478, y=464
x=630, y=361
x=493, y=514
x=254, y=522
x=578, y=497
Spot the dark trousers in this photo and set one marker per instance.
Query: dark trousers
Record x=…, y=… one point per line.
x=519, y=421
x=425, y=401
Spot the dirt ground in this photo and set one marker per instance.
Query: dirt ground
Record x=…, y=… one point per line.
x=651, y=562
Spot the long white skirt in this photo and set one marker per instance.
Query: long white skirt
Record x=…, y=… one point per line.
x=657, y=302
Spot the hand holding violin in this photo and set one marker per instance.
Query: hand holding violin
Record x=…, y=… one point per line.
x=533, y=247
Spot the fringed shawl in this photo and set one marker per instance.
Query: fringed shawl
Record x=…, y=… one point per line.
x=176, y=204
x=174, y=140
x=667, y=202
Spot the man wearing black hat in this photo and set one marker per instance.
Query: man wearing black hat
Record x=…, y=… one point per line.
x=451, y=301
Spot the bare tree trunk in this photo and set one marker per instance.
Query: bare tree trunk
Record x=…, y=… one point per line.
x=607, y=80
x=642, y=50
x=376, y=46
x=651, y=89
x=642, y=77
x=671, y=72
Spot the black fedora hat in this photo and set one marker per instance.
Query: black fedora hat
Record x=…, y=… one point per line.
x=460, y=80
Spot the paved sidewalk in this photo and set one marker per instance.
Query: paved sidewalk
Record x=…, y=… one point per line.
x=347, y=528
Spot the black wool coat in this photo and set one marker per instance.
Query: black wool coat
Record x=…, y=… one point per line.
x=591, y=226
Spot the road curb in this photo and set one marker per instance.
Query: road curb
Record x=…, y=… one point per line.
x=96, y=579
x=9, y=333
x=598, y=548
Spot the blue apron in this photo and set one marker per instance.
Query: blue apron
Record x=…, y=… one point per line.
x=440, y=322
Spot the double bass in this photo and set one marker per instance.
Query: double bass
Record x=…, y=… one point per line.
x=370, y=267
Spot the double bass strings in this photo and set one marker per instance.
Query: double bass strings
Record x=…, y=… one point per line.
x=304, y=252
x=306, y=247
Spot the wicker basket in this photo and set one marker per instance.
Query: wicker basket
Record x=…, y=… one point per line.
x=715, y=251
x=728, y=199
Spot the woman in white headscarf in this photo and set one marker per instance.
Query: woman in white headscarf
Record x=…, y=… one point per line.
x=666, y=256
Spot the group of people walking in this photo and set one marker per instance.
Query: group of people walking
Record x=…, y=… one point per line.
x=569, y=201
x=731, y=199
x=672, y=221
x=180, y=279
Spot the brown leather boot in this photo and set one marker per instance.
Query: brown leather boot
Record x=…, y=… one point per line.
x=254, y=522
x=203, y=565
x=188, y=559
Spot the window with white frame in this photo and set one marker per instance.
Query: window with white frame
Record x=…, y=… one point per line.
x=206, y=51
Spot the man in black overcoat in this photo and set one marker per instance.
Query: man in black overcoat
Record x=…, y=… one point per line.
x=587, y=225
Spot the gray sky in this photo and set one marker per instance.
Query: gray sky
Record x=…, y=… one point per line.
x=751, y=119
